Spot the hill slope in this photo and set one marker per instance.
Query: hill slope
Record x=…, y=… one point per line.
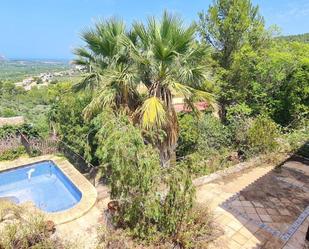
x=300, y=38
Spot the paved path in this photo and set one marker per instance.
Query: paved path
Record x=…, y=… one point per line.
x=241, y=232
x=83, y=231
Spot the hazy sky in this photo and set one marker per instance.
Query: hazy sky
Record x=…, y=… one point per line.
x=50, y=28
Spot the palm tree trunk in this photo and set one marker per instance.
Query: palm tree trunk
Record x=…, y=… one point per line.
x=167, y=157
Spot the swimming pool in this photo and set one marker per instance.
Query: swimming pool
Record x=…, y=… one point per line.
x=43, y=183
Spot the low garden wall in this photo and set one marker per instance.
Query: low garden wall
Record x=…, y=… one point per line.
x=18, y=120
x=280, y=158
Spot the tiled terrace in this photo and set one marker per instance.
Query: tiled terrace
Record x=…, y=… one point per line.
x=264, y=207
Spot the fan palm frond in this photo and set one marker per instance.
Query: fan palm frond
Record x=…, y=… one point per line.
x=106, y=98
x=103, y=40
x=84, y=53
x=153, y=113
x=91, y=81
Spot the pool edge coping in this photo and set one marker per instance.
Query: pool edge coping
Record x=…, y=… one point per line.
x=89, y=193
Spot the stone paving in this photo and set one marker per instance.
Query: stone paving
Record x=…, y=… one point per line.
x=273, y=202
x=257, y=209
x=83, y=231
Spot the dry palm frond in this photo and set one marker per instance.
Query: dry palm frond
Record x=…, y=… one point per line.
x=152, y=113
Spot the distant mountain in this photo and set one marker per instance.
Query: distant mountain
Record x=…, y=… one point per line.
x=299, y=38
x=2, y=58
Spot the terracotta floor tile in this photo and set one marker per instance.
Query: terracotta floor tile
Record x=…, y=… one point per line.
x=277, y=218
x=246, y=232
x=252, y=227
x=242, y=220
x=262, y=235
x=261, y=211
x=239, y=238
x=284, y=212
x=271, y=211
x=235, y=225
x=273, y=244
x=267, y=201
x=250, y=210
x=233, y=245
x=265, y=218
x=289, y=246
x=257, y=204
x=254, y=217
x=274, y=200
x=284, y=200
x=246, y=204
x=236, y=203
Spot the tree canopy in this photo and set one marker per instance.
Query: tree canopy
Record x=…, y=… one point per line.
x=161, y=57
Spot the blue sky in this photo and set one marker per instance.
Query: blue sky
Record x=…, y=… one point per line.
x=51, y=28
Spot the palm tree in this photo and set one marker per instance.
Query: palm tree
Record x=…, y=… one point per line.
x=110, y=75
x=170, y=62
x=163, y=57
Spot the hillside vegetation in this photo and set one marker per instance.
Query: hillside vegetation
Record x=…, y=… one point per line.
x=256, y=87
x=298, y=38
x=17, y=70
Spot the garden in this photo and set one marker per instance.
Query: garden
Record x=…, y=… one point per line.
x=121, y=118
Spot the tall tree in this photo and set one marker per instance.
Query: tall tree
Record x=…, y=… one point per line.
x=228, y=25
x=231, y=27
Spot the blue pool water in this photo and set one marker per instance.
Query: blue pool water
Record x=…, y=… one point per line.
x=43, y=183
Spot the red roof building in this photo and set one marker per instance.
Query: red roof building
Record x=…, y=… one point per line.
x=182, y=107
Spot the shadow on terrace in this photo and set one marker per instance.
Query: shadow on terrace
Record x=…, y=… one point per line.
x=275, y=207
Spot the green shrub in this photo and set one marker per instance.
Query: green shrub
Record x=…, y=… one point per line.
x=12, y=154
x=201, y=163
x=262, y=135
x=298, y=139
x=178, y=201
x=7, y=112
x=251, y=136
x=134, y=173
x=293, y=98
x=23, y=227
x=66, y=118
x=205, y=133
x=198, y=229
x=12, y=130
x=213, y=135
x=206, y=146
x=238, y=119
x=188, y=134
x=138, y=181
x=238, y=112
